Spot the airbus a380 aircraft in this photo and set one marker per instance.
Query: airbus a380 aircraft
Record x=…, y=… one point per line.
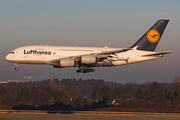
x=87, y=57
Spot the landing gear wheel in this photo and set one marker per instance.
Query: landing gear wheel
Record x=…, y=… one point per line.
x=85, y=70
x=81, y=70
x=77, y=71
x=16, y=68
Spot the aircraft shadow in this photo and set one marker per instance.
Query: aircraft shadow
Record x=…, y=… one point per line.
x=62, y=109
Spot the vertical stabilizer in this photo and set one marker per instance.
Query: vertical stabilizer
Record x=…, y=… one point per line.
x=152, y=37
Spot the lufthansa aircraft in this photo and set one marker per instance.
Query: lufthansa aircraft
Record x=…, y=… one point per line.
x=87, y=57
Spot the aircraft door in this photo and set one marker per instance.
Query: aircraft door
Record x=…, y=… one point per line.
x=19, y=54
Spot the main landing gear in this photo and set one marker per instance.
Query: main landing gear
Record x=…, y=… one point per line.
x=16, y=68
x=85, y=70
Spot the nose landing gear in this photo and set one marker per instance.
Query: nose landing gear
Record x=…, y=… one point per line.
x=16, y=68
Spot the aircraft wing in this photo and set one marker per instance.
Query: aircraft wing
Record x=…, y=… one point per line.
x=105, y=54
x=113, y=52
x=156, y=54
x=101, y=55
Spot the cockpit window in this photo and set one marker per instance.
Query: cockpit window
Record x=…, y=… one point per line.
x=11, y=52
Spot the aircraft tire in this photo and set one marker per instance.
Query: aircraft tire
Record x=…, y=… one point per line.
x=16, y=68
x=77, y=71
x=81, y=70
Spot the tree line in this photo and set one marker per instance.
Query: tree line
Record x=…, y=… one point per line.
x=92, y=93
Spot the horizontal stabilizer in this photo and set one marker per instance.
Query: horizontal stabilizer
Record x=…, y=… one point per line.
x=157, y=53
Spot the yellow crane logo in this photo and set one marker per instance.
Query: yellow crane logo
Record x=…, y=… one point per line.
x=153, y=36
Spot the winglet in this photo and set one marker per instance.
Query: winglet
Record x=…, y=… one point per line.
x=135, y=48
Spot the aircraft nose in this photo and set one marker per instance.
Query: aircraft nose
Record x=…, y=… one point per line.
x=8, y=57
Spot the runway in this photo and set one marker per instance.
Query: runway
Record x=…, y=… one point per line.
x=87, y=115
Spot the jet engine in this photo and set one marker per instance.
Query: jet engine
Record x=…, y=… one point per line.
x=87, y=59
x=66, y=63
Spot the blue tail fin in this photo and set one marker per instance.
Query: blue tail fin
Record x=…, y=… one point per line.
x=151, y=38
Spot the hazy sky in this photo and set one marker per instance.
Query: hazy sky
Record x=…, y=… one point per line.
x=91, y=23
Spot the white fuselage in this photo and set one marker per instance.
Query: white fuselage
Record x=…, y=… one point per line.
x=48, y=54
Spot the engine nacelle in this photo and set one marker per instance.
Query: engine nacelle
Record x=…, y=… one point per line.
x=87, y=59
x=66, y=63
